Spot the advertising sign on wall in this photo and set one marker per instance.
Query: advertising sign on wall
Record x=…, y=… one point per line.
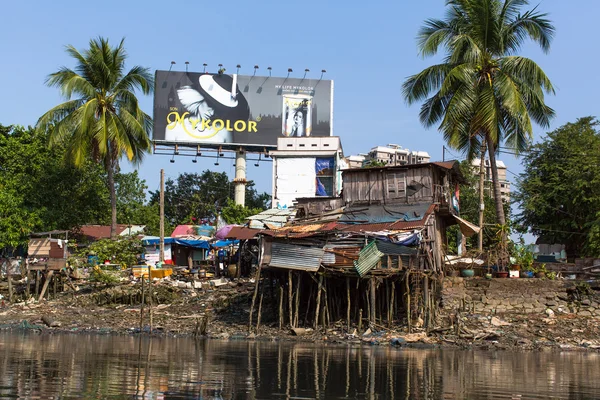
x=221, y=109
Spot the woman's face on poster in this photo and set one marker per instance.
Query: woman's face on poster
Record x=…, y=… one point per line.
x=298, y=118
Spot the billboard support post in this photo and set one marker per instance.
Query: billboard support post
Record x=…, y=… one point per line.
x=240, y=178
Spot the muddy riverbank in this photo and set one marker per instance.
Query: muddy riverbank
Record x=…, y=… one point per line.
x=223, y=312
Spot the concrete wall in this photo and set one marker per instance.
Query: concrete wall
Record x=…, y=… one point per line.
x=517, y=296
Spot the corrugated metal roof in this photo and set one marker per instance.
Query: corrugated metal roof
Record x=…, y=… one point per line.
x=368, y=257
x=242, y=233
x=289, y=256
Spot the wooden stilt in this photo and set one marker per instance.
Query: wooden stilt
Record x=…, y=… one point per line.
x=37, y=283
x=297, y=299
x=393, y=302
x=426, y=301
x=281, y=292
x=150, y=293
x=143, y=301
x=387, y=298
x=326, y=317
x=45, y=287
x=254, y=297
x=359, y=321
x=10, y=288
x=290, y=299
x=373, y=297
x=407, y=294
x=348, y=300
x=318, y=307
x=262, y=293
x=28, y=287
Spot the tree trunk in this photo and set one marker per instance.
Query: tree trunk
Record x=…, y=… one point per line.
x=113, y=197
x=481, y=188
x=496, y=183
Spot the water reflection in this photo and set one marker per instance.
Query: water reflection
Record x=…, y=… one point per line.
x=88, y=366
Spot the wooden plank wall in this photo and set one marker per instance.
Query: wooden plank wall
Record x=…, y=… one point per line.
x=370, y=185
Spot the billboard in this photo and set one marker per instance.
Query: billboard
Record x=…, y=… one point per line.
x=232, y=110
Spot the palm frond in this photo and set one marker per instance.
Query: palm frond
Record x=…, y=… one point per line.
x=432, y=35
x=418, y=87
x=531, y=25
x=70, y=82
x=526, y=71
x=137, y=78
x=57, y=113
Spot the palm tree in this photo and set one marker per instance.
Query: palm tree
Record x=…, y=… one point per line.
x=483, y=94
x=101, y=119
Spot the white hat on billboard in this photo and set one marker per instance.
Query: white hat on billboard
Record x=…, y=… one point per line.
x=218, y=89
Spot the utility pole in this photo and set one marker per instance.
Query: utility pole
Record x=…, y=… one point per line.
x=162, y=216
x=481, y=203
x=443, y=153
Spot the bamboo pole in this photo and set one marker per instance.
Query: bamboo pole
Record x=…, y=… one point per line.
x=290, y=299
x=254, y=297
x=317, y=309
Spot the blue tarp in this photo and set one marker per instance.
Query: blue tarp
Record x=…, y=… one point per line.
x=224, y=243
x=196, y=244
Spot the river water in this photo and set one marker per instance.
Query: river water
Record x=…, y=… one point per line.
x=122, y=367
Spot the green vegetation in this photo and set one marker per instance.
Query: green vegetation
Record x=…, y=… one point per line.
x=101, y=119
x=482, y=94
x=123, y=252
x=559, y=191
x=193, y=198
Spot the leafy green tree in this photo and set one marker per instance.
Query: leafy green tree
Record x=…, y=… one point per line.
x=101, y=119
x=482, y=93
x=131, y=198
x=236, y=214
x=559, y=190
x=39, y=192
x=192, y=198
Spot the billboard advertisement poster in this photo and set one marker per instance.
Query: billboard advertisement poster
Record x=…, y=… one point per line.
x=233, y=110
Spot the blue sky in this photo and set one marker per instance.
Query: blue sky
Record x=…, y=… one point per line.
x=367, y=48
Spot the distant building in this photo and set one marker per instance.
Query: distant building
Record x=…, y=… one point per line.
x=306, y=167
x=390, y=155
x=504, y=183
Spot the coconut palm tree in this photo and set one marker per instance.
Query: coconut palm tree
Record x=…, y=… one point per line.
x=482, y=93
x=101, y=119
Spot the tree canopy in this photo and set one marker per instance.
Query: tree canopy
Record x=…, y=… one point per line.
x=483, y=94
x=101, y=119
x=193, y=198
x=559, y=190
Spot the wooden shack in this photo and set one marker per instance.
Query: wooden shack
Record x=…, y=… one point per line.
x=373, y=254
